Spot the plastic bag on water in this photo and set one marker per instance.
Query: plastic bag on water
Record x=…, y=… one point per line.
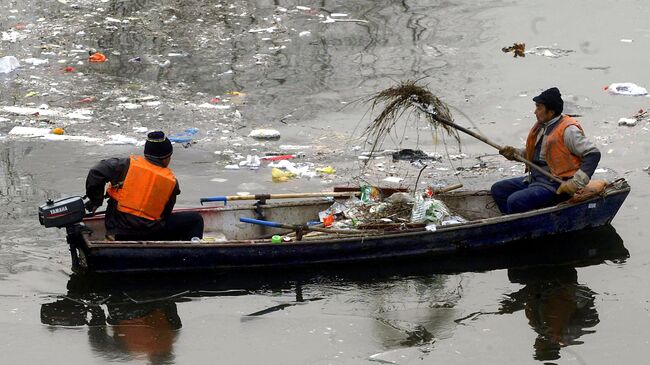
x=8, y=64
x=626, y=88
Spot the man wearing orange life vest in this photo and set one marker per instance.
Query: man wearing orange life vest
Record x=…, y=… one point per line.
x=556, y=143
x=142, y=193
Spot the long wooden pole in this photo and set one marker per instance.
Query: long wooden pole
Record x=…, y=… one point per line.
x=485, y=140
x=227, y=198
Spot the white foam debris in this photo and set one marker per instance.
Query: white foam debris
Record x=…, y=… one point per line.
x=29, y=131
x=393, y=179
x=214, y=106
x=263, y=30
x=119, y=139
x=264, y=133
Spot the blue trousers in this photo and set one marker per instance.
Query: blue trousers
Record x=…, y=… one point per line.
x=516, y=195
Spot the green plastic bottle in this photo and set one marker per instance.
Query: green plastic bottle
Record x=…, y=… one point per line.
x=276, y=239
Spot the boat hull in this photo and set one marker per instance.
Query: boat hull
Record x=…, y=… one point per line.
x=487, y=233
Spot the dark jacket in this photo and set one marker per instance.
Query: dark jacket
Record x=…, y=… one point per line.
x=114, y=170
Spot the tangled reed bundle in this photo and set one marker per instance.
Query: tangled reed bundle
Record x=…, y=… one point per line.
x=397, y=100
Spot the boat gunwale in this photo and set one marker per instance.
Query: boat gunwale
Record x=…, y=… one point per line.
x=98, y=245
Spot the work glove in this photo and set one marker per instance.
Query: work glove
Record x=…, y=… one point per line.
x=508, y=152
x=568, y=187
x=91, y=207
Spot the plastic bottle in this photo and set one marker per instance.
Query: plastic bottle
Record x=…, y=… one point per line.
x=195, y=240
x=8, y=64
x=276, y=239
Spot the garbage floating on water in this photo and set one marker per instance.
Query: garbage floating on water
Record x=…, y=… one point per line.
x=251, y=161
x=263, y=30
x=278, y=157
x=327, y=170
x=301, y=170
x=129, y=106
x=549, y=52
x=43, y=111
x=8, y=64
x=97, y=57
x=394, y=179
x=330, y=19
x=214, y=106
x=630, y=122
x=35, y=61
x=48, y=134
x=278, y=175
x=414, y=155
x=626, y=88
x=29, y=131
x=184, y=137
x=640, y=116
x=118, y=139
x=264, y=134
x=518, y=49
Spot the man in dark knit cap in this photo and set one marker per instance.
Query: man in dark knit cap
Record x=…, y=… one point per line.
x=557, y=144
x=142, y=193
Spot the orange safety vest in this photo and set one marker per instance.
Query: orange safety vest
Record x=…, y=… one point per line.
x=146, y=189
x=560, y=160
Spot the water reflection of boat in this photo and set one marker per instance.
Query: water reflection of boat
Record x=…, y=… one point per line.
x=558, y=309
x=128, y=328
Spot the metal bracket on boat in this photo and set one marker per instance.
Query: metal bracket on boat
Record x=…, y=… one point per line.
x=261, y=200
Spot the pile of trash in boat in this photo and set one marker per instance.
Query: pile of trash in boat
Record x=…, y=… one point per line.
x=400, y=210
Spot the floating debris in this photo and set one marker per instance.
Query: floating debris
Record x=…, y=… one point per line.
x=264, y=134
x=626, y=88
x=549, y=52
x=519, y=49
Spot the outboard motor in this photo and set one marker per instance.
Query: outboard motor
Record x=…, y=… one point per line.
x=66, y=213
x=62, y=213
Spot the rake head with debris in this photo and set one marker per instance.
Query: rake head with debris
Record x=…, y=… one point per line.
x=407, y=95
x=399, y=99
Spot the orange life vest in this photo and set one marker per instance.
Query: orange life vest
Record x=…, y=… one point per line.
x=560, y=160
x=145, y=190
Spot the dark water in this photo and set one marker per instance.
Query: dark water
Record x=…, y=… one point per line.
x=574, y=299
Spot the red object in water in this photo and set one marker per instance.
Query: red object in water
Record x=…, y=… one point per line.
x=97, y=57
x=277, y=158
x=20, y=26
x=88, y=99
x=69, y=69
x=215, y=100
x=606, y=87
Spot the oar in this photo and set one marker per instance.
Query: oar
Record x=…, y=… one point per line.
x=226, y=198
x=483, y=139
x=301, y=227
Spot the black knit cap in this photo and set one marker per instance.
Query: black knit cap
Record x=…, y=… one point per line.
x=158, y=145
x=552, y=99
